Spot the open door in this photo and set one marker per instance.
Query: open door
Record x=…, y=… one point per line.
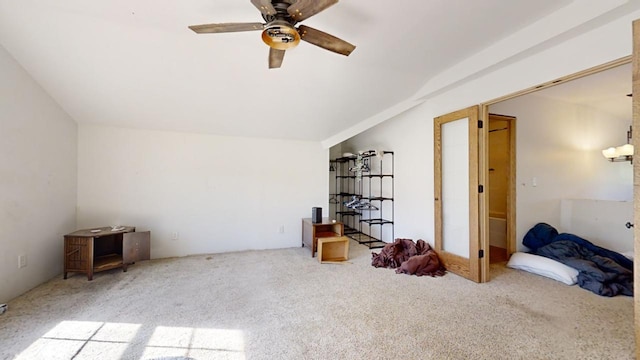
x=136, y=246
x=457, y=190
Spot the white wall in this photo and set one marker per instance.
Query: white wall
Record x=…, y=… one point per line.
x=600, y=221
x=410, y=134
x=219, y=193
x=37, y=180
x=560, y=146
x=410, y=137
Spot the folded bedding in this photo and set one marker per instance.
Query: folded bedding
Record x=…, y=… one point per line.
x=602, y=271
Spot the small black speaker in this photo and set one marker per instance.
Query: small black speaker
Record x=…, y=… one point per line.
x=316, y=215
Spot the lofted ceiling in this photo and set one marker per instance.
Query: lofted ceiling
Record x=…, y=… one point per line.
x=134, y=63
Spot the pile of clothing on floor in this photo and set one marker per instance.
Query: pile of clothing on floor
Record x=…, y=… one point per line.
x=408, y=257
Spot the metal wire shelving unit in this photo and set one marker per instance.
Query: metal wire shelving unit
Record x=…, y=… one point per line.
x=364, y=195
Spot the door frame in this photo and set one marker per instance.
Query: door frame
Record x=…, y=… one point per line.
x=511, y=182
x=483, y=167
x=636, y=176
x=484, y=156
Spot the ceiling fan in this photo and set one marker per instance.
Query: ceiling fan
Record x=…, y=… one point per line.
x=279, y=31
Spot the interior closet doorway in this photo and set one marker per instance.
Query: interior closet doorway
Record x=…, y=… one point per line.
x=594, y=98
x=501, y=148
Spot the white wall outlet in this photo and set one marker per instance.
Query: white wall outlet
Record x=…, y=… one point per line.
x=175, y=235
x=22, y=261
x=281, y=229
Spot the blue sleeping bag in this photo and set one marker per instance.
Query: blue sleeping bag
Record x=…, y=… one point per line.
x=600, y=270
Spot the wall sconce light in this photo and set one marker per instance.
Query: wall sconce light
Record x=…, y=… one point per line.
x=622, y=152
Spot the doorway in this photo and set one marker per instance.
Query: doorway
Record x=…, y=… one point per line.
x=563, y=125
x=501, y=149
x=553, y=153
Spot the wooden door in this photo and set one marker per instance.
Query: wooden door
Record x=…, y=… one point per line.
x=636, y=175
x=136, y=246
x=457, y=210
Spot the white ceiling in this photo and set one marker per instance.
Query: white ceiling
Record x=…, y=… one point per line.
x=606, y=91
x=135, y=63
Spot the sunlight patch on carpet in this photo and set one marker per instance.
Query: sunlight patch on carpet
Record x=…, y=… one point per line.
x=79, y=340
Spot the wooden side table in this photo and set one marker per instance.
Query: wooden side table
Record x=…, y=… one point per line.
x=311, y=232
x=92, y=250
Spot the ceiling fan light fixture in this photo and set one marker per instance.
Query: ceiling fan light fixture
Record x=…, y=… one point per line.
x=279, y=29
x=280, y=35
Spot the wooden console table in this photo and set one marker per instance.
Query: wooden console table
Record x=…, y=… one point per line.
x=92, y=250
x=311, y=232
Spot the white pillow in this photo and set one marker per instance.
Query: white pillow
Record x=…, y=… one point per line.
x=543, y=266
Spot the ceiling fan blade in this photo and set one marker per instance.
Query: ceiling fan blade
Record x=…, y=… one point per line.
x=325, y=41
x=264, y=6
x=304, y=9
x=226, y=27
x=275, y=58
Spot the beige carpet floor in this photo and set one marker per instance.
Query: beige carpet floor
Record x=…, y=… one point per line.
x=282, y=304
